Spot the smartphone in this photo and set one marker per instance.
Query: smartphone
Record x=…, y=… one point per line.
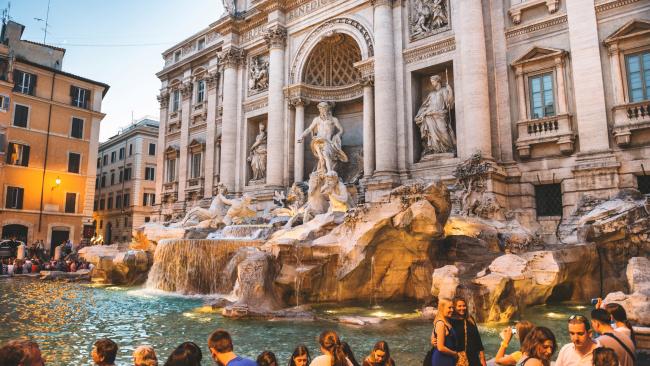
x=594, y=301
x=514, y=330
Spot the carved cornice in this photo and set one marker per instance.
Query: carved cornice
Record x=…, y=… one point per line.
x=613, y=4
x=256, y=104
x=276, y=37
x=544, y=24
x=428, y=51
x=319, y=93
x=376, y=3
x=232, y=57
x=298, y=102
x=366, y=67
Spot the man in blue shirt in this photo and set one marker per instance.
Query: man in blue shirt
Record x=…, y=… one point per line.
x=221, y=349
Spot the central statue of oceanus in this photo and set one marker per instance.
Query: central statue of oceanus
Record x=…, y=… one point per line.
x=326, y=132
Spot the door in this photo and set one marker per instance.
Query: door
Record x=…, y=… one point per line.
x=15, y=230
x=58, y=237
x=109, y=233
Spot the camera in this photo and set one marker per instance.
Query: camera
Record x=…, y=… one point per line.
x=594, y=301
x=514, y=330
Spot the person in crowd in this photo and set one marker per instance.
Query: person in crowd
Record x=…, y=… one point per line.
x=21, y=353
x=522, y=329
x=5, y=267
x=267, y=358
x=444, y=338
x=10, y=267
x=27, y=266
x=349, y=354
x=468, y=337
x=620, y=321
x=186, y=354
x=330, y=346
x=222, y=350
x=380, y=355
x=604, y=356
x=145, y=356
x=580, y=351
x=300, y=356
x=104, y=352
x=538, y=348
x=35, y=265
x=619, y=342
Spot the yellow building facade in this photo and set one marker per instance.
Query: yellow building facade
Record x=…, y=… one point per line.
x=50, y=120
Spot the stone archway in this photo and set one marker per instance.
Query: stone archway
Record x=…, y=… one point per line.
x=331, y=62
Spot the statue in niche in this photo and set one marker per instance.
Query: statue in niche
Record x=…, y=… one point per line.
x=326, y=132
x=427, y=16
x=259, y=75
x=434, y=120
x=230, y=6
x=257, y=157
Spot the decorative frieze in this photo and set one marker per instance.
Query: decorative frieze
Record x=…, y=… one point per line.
x=232, y=57
x=306, y=8
x=425, y=52
x=253, y=33
x=276, y=37
x=516, y=10
x=314, y=93
x=541, y=25
x=256, y=104
x=428, y=17
x=613, y=4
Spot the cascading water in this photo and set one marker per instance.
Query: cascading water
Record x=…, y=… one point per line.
x=195, y=266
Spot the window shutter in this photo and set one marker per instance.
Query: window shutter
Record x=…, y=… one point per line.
x=87, y=99
x=10, y=151
x=5, y=104
x=19, y=198
x=73, y=91
x=17, y=79
x=32, y=84
x=25, y=161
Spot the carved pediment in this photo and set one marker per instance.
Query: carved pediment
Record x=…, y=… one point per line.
x=538, y=54
x=196, y=145
x=172, y=151
x=631, y=29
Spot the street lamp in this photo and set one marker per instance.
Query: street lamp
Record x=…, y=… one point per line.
x=57, y=182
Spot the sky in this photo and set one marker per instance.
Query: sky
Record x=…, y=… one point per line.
x=118, y=42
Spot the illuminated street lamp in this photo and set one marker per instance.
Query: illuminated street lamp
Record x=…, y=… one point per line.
x=57, y=182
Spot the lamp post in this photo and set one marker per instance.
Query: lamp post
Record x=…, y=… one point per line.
x=57, y=183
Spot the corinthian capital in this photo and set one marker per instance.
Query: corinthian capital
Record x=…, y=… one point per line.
x=232, y=57
x=163, y=99
x=382, y=2
x=186, y=89
x=368, y=80
x=276, y=37
x=212, y=79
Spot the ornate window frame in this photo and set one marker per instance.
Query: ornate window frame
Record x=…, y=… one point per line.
x=631, y=38
x=557, y=128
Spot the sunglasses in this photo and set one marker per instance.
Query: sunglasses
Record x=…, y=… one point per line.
x=577, y=317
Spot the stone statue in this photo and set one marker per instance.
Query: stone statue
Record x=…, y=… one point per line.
x=240, y=210
x=471, y=180
x=257, y=157
x=230, y=6
x=334, y=188
x=326, y=132
x=434, y=122
x=428, y=16
x=215, y=213
x=259, y=75
x=291, y=204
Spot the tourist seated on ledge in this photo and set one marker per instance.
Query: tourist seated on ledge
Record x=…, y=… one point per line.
x=379, y=356
x=267, y=358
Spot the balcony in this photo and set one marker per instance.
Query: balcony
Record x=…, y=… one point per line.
x=629, y=118
x=170, y=187
x=519, y=6
x=173, y=127
x=555, y=129
x=195, y=185
x=199, y=108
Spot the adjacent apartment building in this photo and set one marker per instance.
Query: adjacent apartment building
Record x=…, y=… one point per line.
x=49, y=132
x=125, y=184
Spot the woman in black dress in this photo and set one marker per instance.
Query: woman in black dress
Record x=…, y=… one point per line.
x=471, y=343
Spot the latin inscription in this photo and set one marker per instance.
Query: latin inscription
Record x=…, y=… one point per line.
x=307, y=8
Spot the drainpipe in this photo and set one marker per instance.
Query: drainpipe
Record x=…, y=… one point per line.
x=47, y=145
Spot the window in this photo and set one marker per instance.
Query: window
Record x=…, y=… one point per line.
x=127, y=174
x=103, y=180
x=112, y=178
x=126, y=223
x=638, y=76
x=149, y=173
x=74, y=161
x=105, y=160
x=77, y=130
x=200, y=44
x=643, y=182
x=80, y=97
x=95, y=205
x=99, y=162
x=24, y=82
x=177, y=56
x=548, y=200
x=130, y=149
x=118, y=201
x=121, y=176
x=121, y=153
x=96, y=183
x=18, y=154
x=541, y=96
x=196, y=165
x=113, y=155
x=171, y=170
x=148, y=199
x=200, y=91
x=126, y=200
x=14, y=198
x=70, y=202
x=176, y=100
x=21, y=114
x=109, y=203
x=4, y=102
x=152, y=149
x=147, y=219
x=102, y=205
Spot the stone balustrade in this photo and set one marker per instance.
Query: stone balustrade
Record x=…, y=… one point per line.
x=170, y=187
x=556, y=129
x=198, y=108
x=629, y=118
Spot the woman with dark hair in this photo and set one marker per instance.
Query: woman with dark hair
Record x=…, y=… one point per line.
x=603, y=356
x=333, y=355
x=186, y=354
x=619, y=317
x=349, y=354
x=380, y=356
x=468, y=339
x=522, y=329
x=267, y=358
x=300, y=356
x=538, y=347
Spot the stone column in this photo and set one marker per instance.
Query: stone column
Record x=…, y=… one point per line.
x=561, y=86
x=275, y=39
x=617, y=75
x=588, y=85
x=521, y=93
x=211, y=81
x=183, y=164
x=231, y=58
x=474, y=131
x=163, y=99
x=299, y=147
x=385, y=108
x=368, y=126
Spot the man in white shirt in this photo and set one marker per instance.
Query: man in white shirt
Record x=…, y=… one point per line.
x=618, y=341
x=580, y=351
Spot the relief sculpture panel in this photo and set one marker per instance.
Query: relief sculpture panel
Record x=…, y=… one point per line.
x=428, y=17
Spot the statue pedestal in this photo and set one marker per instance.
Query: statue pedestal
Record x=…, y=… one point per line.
x=437, y=157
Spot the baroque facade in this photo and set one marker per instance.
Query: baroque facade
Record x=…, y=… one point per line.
x=553, y=94
x=49, y=132
x=125, y=185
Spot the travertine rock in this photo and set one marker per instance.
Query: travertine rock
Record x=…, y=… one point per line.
x=638, y=275
x=444, y=282
x=637, y=306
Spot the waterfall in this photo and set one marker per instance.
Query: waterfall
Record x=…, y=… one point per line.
x=195, y=266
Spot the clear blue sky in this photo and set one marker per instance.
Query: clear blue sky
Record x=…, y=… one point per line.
x=118, y=42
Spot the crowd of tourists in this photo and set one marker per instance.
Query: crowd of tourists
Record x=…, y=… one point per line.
x=455, y=341
x=37, y=258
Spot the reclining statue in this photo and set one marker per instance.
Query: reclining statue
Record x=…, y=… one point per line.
x=215, y=213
